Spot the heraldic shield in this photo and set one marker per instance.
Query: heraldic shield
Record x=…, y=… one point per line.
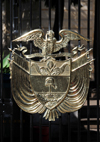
x=50, y=86
x=50, y=81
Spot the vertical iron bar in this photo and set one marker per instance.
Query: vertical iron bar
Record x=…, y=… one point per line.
x=40, y=116
x=79, y=22
x=49, y=131
x=88, y=102
x=88, y=114
x=78, y=125
x=31, y=47
x=30, y=25
x=20, y=16
x=59, y=7
x=40, y=17
x=88, y=24
x=69, y=23
x=69, y=126
x=40, y=14
x=21, y=126
x=60, y=128
x=11, y=116
x=49, y=14
x=21, y=113
x=11, y=101
x=31, y=116
x=11, y=128
x=10, y=33
x=40, y=128
x=79, y=19
x=1, y=49
x=79, y=115
x=69, y=11
x=30, y=14
x=96, y=52
x=1, y=128
x=60, y=117
x=98, y=69
x=31, y=128
x=11, y=24
x=13, y=14
x=50, y=29
x=1, y=89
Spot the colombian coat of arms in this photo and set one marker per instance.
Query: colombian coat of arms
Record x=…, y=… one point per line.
x=50, y=86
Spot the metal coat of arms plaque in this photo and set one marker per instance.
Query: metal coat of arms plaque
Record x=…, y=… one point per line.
x=50, y=86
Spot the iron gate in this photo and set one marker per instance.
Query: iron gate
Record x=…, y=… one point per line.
x=16, y=125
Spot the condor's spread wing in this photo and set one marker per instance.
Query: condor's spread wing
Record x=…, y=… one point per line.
x=34, y=35
x=21, y=87
x=78, y=91
x=79, y=85
x=66, y=36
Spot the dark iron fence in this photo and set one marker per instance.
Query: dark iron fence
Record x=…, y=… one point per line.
x=16, y=125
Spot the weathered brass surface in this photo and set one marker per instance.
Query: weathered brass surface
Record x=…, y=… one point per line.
x=50, y=86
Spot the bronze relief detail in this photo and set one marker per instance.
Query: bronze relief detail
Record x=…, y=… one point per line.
x=50, y=86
